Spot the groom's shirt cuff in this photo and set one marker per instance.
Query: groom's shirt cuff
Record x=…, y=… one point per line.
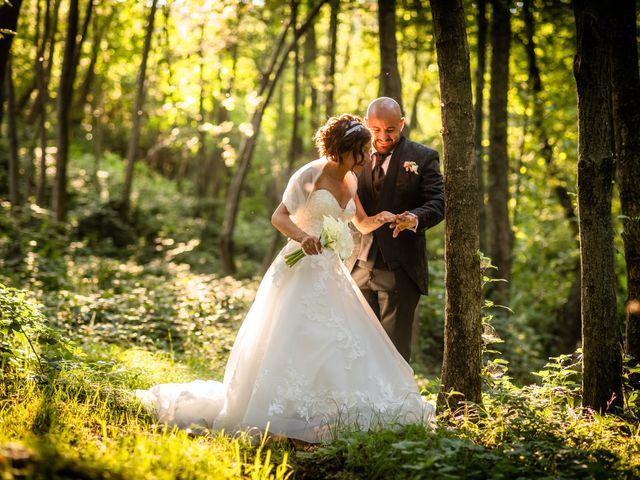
x=414, y=229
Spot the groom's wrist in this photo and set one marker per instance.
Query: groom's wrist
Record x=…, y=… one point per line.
x=414, y=229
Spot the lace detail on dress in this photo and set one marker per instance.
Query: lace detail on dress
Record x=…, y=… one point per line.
x=295, y=391
x=321, y=313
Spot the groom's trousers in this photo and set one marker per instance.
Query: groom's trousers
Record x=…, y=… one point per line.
x=393, y=296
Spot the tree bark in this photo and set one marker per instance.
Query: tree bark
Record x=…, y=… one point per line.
x=309, y=69
x=501, y=237
x=626, y=120
x=390, y=83
x=9, y=13
x=479, y=118
x=137, y=111
x=90, y=74
x=330, y=80
x=203, y=172
x=567, y=334
x=294, y=152
x=463, y=328
x=602, y=353
x=83, y=33
x=63, y=107
x=413, y=119
x=41, y=83
x=248, y=144
x=12, y=134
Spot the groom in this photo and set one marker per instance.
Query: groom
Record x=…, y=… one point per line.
x=390, y=267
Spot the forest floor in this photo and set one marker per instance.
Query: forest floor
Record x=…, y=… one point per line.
x=105, y=322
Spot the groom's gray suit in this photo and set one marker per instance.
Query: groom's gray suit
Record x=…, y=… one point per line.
x=392, y=272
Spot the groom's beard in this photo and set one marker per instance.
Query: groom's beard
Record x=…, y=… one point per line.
x=384, y=147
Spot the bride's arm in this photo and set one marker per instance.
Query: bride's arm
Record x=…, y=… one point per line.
x=366, y=224
x=281, y=219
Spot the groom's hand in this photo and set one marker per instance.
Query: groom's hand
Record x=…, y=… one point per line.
x=402, y=222
x=311, y=245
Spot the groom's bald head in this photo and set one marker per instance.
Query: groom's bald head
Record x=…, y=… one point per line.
x=384, y=119
x=384, y=107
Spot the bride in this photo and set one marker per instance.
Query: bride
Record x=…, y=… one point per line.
x=310, y=358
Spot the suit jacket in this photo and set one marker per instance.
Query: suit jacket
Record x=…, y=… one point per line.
x=421, y=193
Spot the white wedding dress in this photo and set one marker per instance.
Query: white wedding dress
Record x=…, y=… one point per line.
x=310, y=358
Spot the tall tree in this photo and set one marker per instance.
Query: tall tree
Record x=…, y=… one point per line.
x=295, y=144
x=390, y=83
x=330, y=80
x=626, y=119
x=12, y=134
x=567, y=333
x=463, y=329
x=9, y=13
x=99, y=28
x=309, y=72
x=501, y=236
x=203, y=170
x=479, y=116
x=602, y=353
x=44, y=62
x=137, y=110
x=268, y=82
x=63, y=108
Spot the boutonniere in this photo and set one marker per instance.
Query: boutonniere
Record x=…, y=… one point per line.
x=411, y=167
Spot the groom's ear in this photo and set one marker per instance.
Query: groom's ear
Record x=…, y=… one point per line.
x=401, y=124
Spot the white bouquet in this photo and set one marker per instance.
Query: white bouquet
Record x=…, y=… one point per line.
x=335, y=236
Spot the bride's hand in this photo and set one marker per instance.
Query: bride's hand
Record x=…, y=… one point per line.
x=311, y=245
x=385, y=217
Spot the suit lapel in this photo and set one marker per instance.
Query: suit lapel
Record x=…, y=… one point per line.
x=390, y=177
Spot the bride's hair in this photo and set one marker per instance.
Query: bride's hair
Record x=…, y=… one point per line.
x=342, y=134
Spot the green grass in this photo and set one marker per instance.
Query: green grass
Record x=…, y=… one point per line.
x=75, y=415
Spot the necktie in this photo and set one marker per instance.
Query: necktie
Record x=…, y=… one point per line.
x=378, y=172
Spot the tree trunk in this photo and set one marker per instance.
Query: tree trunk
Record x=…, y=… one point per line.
x=567, y=333
x=43, y=60
x=42, y=99
x=270, y=78
x=330, y=81
x=501, y=237
x=12, y=134
x=413, y=119
x=202, y=178
x=63, y=107
x=295, y=150
x=626, y=119
x=219, y=168
x=310, y=76
x=479, y=118
x=462, y=360
x=390, y=83
x=602, y=354
x=9, y=13
x=83, y=34
x=137, y=111
x=90, y=75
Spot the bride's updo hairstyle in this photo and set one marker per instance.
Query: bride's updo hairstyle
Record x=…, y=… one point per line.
x=340, y=135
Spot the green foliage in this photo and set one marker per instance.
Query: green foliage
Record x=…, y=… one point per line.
x=33, y=247
x=28, y=344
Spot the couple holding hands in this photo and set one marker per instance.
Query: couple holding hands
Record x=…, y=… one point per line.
x=325, y=345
